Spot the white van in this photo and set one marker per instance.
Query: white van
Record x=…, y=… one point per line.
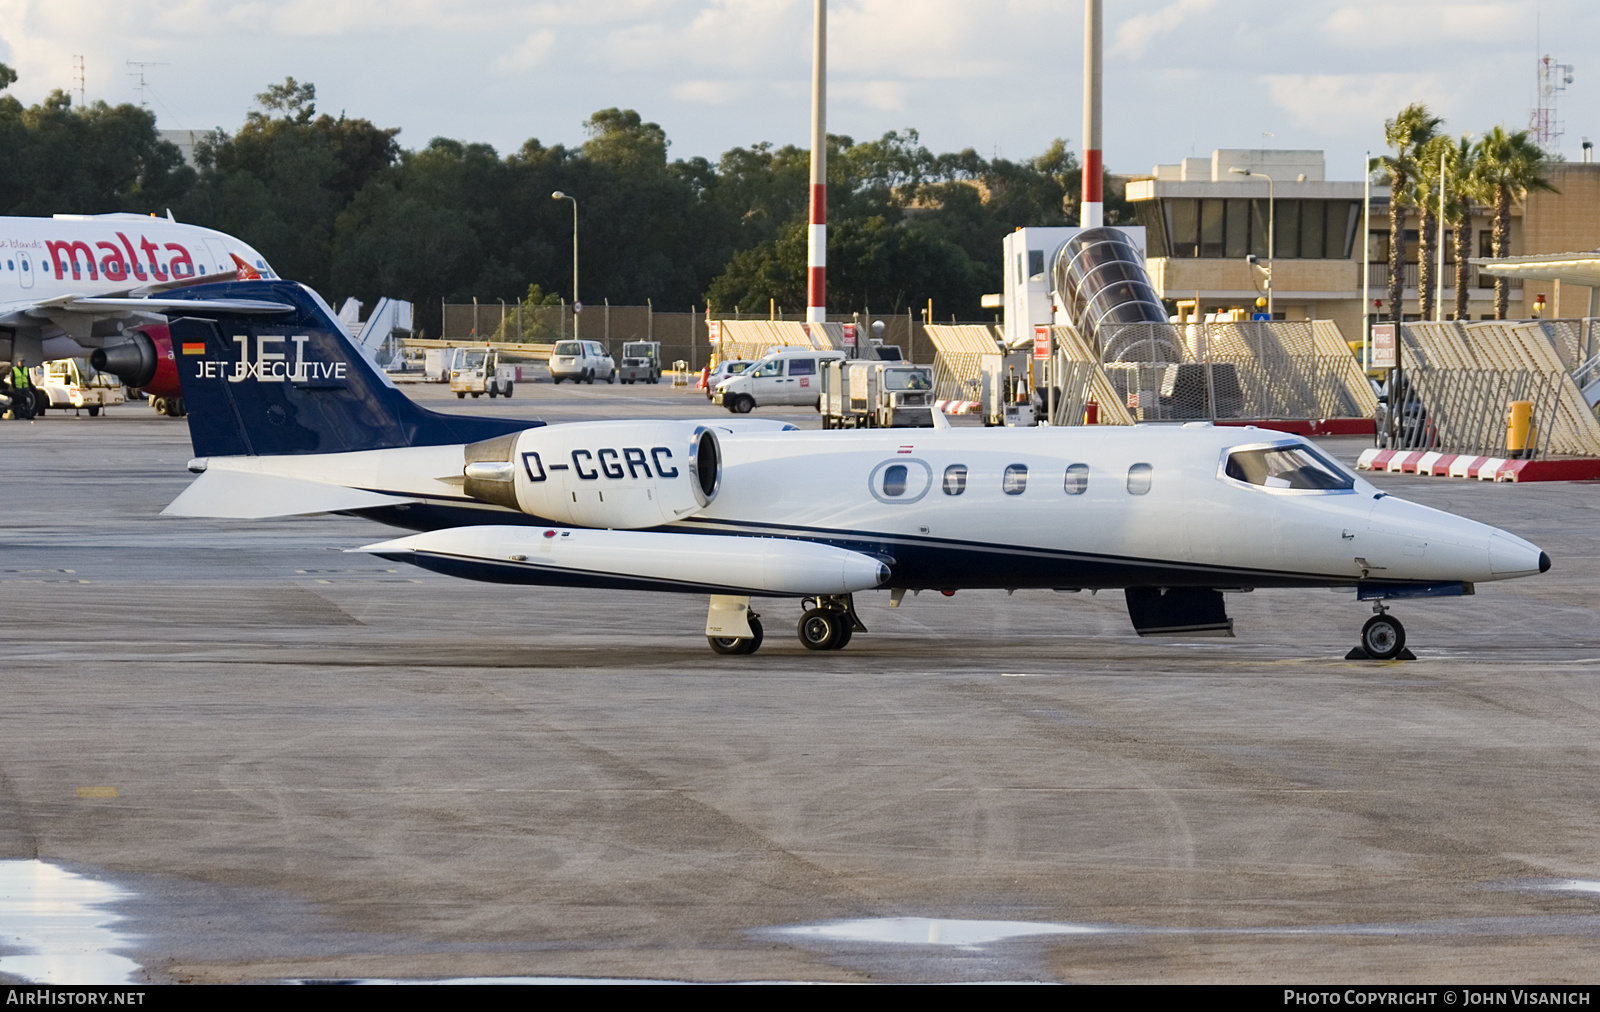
x=581, y=361
x=783, y=376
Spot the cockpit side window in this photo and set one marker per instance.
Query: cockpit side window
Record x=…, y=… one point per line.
x=1296, y=467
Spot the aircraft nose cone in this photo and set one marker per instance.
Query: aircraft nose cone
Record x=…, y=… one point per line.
x=1509, y=555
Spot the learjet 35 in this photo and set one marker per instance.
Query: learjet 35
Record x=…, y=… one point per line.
x=288, y=417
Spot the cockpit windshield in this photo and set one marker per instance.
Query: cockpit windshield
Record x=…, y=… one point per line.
x=1293, y=467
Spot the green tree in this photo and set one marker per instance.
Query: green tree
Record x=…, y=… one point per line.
x=285, y=178
x=88, y=160
x=1510, y=165
x=1464, y=190
x=1406, y=134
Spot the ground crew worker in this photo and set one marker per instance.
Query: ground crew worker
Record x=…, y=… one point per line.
x=22, y=395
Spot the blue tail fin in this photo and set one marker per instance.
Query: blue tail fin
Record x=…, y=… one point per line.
x=264, y=385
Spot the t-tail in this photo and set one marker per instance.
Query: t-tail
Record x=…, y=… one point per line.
x=272, y=373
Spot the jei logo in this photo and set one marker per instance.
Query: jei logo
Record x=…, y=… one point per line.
x=278, y=358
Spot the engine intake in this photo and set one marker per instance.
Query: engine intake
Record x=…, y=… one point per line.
x=614, y=475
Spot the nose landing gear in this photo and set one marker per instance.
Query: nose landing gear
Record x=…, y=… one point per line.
x=1383, y=638
x=829, y=622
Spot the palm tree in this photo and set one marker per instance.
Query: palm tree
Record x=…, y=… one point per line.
x=1429, y=181
x=1406, y=133
x=1509, y=164
x=1464, y=192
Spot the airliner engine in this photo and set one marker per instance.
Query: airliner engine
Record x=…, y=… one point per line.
x=134, y=362
x=614, y=475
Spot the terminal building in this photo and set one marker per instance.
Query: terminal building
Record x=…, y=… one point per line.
x=1202, y=219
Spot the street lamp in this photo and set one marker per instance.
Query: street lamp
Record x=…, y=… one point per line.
x=1271, y=227
x=577, y=307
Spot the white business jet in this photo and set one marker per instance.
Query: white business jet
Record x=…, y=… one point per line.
x=77, y=284
x=288, y=418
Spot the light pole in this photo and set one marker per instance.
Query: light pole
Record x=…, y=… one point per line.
x=577, y=307
x=1271, y=227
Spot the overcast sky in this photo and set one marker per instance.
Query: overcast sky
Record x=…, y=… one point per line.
x=1182, y=76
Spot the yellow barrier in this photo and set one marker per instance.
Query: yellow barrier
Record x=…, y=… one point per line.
x=1520, y=435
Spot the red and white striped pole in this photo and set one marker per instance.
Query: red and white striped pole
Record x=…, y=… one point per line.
x=1092, y=208
x=817, y=235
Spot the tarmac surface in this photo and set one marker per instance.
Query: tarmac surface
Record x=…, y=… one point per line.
x=328, y=766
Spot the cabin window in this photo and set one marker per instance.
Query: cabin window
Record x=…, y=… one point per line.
x=1015, y=481
x=894, y=480
x=900, y=480
x=1077, y=481
x=1288, y=467
x=1139, y=479
x=955, y=479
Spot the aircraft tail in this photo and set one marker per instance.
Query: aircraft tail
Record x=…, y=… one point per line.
x=265, y=384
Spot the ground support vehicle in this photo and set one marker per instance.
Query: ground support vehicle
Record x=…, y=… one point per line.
x=726, y=368
x=100, y=390
x=436, y=364
x=641, y=362
x=60, y=385
x=478, y=372
x=786, y=376
x=581, y=362
x=862, y=393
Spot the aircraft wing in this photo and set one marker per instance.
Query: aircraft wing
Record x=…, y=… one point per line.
x=245, y=495
x=35, y=313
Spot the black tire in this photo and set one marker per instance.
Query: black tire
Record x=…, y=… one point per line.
x=41, y=403
x=507, y=391
x=177, y=408
x=1383, y=637
x=742, y=403
x=612, y=379
x=476, y=394
x=494, y=391
x=461, y=395
x=819, y=629
x=846, y=630
x=94, y=411
x=555, y=379
x=738, y=646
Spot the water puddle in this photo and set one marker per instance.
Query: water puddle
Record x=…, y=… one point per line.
x=55, y=916
x=931, y=930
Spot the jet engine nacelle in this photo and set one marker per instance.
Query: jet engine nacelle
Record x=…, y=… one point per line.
x=613, y=475
x=135, y=361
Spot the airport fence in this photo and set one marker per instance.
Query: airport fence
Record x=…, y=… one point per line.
x=1459, y=379
x=1464, y=410
x=1235, y=370
x=684, y=336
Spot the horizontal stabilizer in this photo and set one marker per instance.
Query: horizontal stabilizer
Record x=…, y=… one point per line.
x=247, y=495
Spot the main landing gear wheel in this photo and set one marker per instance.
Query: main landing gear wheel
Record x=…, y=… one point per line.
x=732, y=645
x=1383, y=637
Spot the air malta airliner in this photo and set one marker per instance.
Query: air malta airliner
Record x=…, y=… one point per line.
x=288, y=417
x=92, y=286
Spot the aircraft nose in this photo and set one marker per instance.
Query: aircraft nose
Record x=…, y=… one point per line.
x=1509, y=555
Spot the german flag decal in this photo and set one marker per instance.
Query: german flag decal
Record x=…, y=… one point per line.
x=194, y=348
